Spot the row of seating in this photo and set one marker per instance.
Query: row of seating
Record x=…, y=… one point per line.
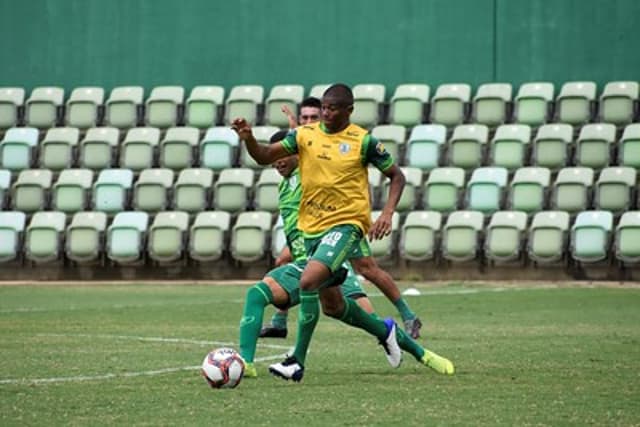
x=550, y=237
x=445, y=190
x=425, y=147
x=492, y=104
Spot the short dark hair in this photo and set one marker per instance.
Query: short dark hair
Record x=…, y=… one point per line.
x=311, y=101
x=340, y=91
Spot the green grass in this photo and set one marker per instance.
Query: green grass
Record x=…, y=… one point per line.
x=553, y=356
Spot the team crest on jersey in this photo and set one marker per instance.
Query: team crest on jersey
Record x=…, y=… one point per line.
x=380, y=148
x=344, y=148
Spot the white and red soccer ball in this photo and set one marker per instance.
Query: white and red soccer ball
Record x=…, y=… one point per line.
x=223, y=368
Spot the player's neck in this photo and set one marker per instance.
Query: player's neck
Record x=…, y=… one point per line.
x=340, y=128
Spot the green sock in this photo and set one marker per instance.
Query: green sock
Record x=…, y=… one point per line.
x=403, y=309
x=258, y=297
x=307, y=319
x=279, y=320
x=408, y=344
x=355, y=316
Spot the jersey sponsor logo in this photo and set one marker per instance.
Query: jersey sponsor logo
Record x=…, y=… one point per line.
x=344, y=148
x=380, y=148
x=351, y=133
x=324, y=156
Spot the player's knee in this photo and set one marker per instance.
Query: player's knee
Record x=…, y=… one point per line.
x=332, y=310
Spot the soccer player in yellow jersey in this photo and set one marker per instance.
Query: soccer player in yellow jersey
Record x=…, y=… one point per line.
x=334, y=216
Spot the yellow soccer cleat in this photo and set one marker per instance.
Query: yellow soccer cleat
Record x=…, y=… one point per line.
x=250, y=370
x=438, y=363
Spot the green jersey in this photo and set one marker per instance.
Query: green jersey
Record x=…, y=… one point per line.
x=290, y=193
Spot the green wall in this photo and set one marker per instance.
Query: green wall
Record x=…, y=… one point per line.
x=190, y=42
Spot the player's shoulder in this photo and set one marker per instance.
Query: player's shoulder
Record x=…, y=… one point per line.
x=355, y=131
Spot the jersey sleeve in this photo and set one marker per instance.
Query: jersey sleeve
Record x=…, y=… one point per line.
x=290, y=142
x=373, y=152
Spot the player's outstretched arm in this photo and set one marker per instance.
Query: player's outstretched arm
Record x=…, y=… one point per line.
x=382, y=226
x=293, y=122
x=263, y=154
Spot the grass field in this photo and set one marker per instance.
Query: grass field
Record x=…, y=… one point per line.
x=129, y=355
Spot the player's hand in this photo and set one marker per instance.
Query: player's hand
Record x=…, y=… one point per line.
x=290, y=116
x=381, y=227
x=242, y=128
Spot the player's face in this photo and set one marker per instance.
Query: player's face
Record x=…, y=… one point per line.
x=335, y=113
x=286, y=165
x=309, y=115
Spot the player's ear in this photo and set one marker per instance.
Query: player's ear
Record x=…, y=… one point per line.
x=350, y=108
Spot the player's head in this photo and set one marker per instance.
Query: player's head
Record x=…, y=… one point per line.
x=285, y=165
x=337, y=106
x=309, y=110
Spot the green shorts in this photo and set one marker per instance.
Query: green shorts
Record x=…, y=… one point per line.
x=335, y=246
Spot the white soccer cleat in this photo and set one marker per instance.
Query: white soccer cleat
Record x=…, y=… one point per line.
x=390, y=344
x=289, y=369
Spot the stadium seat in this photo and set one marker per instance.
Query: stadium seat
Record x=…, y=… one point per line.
x=627, y=238
x=98, y=148
x=124, y=106
x=594, y=147
x=84, y=241
x=572, y=190
x=408, y=104
x=532, y=103
x=510, y=146
x=138, y=150
x=262, y=134
x=410, y=196
x=84, y=107
x=249, y=236
x=111, y=190
x=278, y=238
x=450, y=104
x=629, y=147
x=420, y=235
x=424, y=147
x=232, y=190
x=618, y=102
x=30, y=191
x=179, y=147
x=168, y=237
x=551, y=146
x=44, y=107
x=289, y=95
x=126, y=237
x=442, y=189
x=204, y=106
x=17, y=148
x=218, y=148
x=383, y=249
x=266, y=191
x=318, y=90
x=591, y=235
x=461, y=236
x=208, y=236
x=466, y=148
x=485, y=189
x=11, y=106
x=615, y=189
x=5, y=185
x=529, y=190
x=547, y=240
x=575, y=103
x=505, y=236
x=392, y=137
x=367, y=102
x=192, y=191
x=152, y=190
x=491, y=104
x=375, y=183
x=243, y=101
x=164, y=106
x=71, y=191
x=11, y=228
x=44, y=237
x=58, y=148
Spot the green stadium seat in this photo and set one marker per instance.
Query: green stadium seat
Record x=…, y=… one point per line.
x=138, y=150
x=84, y=241
x=71, y=191
x=11, y=228
x=450, y=104
x=383, y=249
x=208, y=236
x=126, y=237
x=408, y=104
x=58, y=148
x=547, y=239
x=491, y=104
x=505, y=236
x=590, y=236
x=204, y=106
x=266, y=191
x=278, y=238
x=17, y=148
x=44, y=236
x=424, y=147
x=243, y=101
x=551, y=146
x=111, y=190
x=443, y=189
x=529, y=189
x=44, y=107
x=461, y=236
x=192, y=191
x=532, y=103
x=594, y=147
x=375, y=183
x=163, y=107
x=392, y=137
x=178, y=148
x=629, y=146
x=510, y=146
x=98, y=148
x=615, y=189
x=124, y=106
x=467, y=146
x=232, y=190
x=367, y=102
x=289, y=95
x=410, y=196
x=168, y=237
x=11, y=106
x=575, y=103
x=627, y=238
x=420, y=235
x=618, y=102
x=152, y=190
x=249, y=236
x=263, y=135
x=84, y=107
x=318, y=90
x=485, y=189
x=5, y=186
x=572, y=190
x=31, y=190
x=218, y=148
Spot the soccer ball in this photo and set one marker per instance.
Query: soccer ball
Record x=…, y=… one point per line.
x=223, y=368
